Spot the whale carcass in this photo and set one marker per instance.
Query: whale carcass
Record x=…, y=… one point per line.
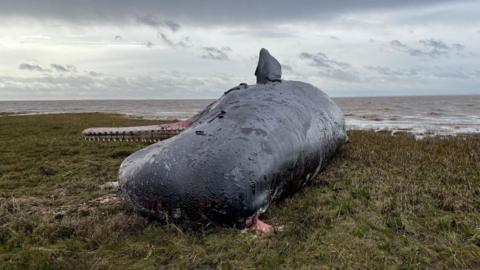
x=254, y=145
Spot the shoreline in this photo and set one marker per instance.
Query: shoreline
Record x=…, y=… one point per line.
x=355, y=124
x=421, y=116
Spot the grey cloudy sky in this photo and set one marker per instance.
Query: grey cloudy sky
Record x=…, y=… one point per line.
x=67, y=49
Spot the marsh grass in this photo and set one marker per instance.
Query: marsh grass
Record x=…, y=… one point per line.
x=384, y=202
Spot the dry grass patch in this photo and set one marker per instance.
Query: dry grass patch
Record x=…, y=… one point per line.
x=384, y=202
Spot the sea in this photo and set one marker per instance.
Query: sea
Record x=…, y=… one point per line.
x=419, y=115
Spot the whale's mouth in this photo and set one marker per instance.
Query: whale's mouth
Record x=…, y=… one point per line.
x=151, y=133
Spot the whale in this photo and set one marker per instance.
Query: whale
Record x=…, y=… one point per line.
x=253, y=146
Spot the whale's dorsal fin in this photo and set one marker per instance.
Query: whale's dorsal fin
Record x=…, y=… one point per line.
x=268, y=68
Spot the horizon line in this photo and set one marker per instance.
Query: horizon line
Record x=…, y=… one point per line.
x=142, y=99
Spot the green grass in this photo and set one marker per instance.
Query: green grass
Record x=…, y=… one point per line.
x=384, y=202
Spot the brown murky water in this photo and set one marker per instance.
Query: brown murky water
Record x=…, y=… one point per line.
x=446, y=115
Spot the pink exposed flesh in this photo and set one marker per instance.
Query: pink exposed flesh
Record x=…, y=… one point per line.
x=259, y=226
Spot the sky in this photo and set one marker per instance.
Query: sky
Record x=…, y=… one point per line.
x=154, y=49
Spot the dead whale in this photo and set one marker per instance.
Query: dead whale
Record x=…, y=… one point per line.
x=254, y=145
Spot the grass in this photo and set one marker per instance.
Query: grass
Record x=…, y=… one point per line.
x=384, y=202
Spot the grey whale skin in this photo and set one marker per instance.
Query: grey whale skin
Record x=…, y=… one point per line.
x=254, y=145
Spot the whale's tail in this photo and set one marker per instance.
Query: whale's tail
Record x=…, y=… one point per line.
x=268, y=68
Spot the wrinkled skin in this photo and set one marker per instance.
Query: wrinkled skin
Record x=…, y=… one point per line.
x=254, y=145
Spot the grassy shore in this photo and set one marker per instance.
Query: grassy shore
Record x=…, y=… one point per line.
x=384, y=202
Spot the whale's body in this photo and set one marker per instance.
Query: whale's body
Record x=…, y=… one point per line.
x=254, y=145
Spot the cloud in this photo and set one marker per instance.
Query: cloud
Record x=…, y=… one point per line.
x=167, y=41
x=32, y=67
x=216, y=53
x=287, y=67
x=149, y=44
x=163, y=85
x=330, y=68
x=393, y=73
x=429, y=47
x=61, y=68
x=196, y=12
x=184, y=43
x=476, y=74
x=436, y=72
x=391, y=37
x=161, y=25
x=457, y=74
x=434, y=43
x=452, y=74
x=268, y=31
x=95, y=74
x=321, y=60
x=157, y=23
x=397, y=44
x=458, y=46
